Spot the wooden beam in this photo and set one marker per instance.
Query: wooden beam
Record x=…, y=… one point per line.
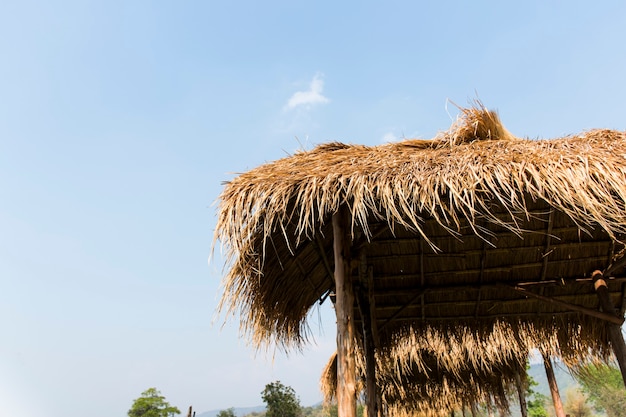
x=319, y=245
x=612, y=318
x=615, y=330
x=417, y=295
x=481, y=276
x=372, y=300
x=344, y=305
x=403, y=291
x=380, y=230
x=546, y=248
x=488, y=305
x=461, y=274
x=363, y=302
x=499, y=250
x=471, y=318
x=562, y=282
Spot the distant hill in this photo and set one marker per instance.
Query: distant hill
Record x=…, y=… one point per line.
x=244, y=411
x=239, y=411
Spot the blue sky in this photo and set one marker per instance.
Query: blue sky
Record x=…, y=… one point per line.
x=119, y=120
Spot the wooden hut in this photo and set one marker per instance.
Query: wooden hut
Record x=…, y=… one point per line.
x=469, y=231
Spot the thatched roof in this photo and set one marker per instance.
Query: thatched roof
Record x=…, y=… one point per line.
x=461, y=232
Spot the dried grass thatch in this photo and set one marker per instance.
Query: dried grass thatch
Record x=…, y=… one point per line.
x=451, y=226
x=415, y=378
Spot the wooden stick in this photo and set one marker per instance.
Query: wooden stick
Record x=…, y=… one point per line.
x=589, y=311
x=521, y=394
x=554, y=388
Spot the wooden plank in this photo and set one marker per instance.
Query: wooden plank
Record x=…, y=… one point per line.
x=344, y=305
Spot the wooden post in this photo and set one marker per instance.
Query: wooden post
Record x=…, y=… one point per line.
x=364, y=302
x=615, y=331
x=554, y=388
x=521, y=394
x=344, y=306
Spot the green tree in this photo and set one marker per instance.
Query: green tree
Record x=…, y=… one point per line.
x=537, y=405
x=230, y=412
x=152, y=404
x=605, y=388
x=536, y=400
x=281, y=400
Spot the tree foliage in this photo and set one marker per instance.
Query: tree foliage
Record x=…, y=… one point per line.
x=281, y=400
x=537, y=405
x=536, y=401
x=152, y=404
x=605, y=388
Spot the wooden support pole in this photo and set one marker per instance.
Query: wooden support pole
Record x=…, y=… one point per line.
x=554, y=388
x=521, y=394
x=344, y=306
x=374, y=326
x=371, y=392
x=615, y=330
x=364, y=302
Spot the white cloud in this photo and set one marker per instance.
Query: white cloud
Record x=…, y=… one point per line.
x=308, y=98
x=389, y=137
